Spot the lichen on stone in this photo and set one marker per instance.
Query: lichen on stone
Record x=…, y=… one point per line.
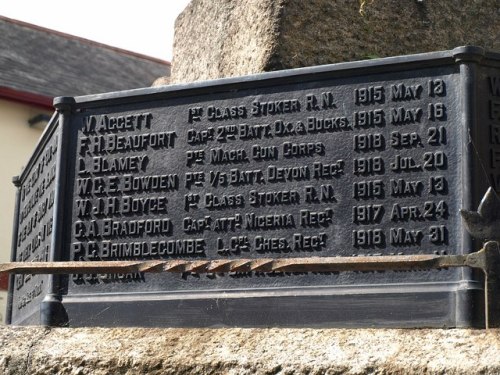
x=362, y=4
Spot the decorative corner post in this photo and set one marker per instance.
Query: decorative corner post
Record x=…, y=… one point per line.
x=52, y=311
x=468, y=58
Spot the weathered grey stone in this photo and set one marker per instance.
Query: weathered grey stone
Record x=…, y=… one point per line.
x=99, y=351
x=222, y=38
x=162, y=81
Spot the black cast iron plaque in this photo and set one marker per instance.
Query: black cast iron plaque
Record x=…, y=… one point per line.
x=364, y=158
x=33, y=226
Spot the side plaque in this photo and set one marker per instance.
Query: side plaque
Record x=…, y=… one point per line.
x=35, y=221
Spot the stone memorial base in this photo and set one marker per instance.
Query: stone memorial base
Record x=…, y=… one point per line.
x=96, y=351
x=224, y=38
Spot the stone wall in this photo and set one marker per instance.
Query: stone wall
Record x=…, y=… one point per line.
x=215, y=39
x=100, y=351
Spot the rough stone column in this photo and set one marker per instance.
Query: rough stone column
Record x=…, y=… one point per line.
x=222, y=38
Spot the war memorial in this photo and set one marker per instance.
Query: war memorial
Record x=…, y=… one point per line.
x=262, y=206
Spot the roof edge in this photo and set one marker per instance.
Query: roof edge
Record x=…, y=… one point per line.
x=85, y=40
x=27, y=98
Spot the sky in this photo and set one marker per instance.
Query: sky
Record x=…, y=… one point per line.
x=143, y=26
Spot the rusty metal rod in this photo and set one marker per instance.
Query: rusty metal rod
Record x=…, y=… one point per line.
x=313, y=264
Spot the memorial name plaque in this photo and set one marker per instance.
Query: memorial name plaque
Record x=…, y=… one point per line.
x=33, y=226
x=365, y=158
